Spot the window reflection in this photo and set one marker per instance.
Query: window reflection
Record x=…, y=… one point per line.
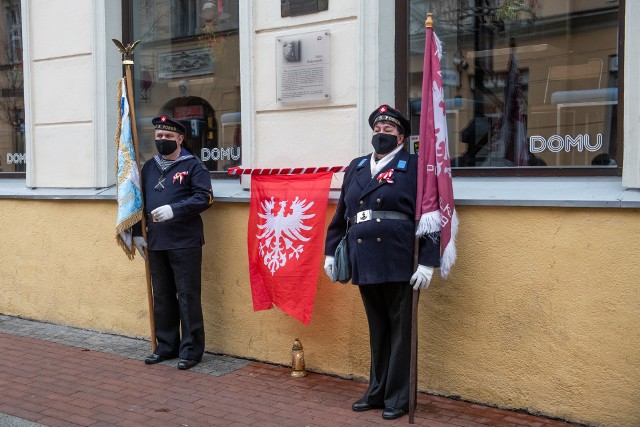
x=12, y=144
x=188, y=67
x=528, y=83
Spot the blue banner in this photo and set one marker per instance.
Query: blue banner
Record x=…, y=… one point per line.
x=128, y=190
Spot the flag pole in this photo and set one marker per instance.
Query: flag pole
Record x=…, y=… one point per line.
x=127, y=61
x=413, y=368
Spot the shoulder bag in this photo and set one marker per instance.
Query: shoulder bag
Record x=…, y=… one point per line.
x=341, y=265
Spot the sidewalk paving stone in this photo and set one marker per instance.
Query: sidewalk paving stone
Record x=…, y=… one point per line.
x=53, y=375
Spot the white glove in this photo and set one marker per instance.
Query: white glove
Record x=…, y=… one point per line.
x=328, y=266
x=162, y=213
x=422, y=277
x=141, y=245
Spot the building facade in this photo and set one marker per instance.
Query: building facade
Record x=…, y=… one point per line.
x=542, y=310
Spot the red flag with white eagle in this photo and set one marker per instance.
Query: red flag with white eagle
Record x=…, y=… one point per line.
x=434, y=205
x=286, y=240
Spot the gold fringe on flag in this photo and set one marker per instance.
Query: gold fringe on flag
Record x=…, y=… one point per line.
x=136, y=217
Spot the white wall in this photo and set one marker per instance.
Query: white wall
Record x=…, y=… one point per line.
x=318, y=133
x=71, y=68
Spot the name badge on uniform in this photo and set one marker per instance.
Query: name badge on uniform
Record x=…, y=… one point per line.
x=363, y=216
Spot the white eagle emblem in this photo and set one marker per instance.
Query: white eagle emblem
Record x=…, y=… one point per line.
x=280, y=232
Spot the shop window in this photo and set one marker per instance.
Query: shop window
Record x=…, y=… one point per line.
x=12, y=145
x=188, y=66
x=530, y=85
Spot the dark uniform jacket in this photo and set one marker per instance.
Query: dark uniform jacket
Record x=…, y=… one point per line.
x=381, y=250
x=187, y=189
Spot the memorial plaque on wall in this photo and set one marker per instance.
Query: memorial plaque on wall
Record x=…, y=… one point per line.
x=302, y=7
x=303, y=67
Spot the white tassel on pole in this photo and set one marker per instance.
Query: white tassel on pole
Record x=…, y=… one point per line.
x=429, y=223
x=450, y=253
x=438, y=46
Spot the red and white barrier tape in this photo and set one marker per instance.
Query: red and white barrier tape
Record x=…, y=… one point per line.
x=283, y=171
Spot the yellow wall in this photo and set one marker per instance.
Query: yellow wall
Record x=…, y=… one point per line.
x=542, y=311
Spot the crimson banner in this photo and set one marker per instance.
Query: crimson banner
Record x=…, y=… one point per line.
x=434, y=205
x=286, y=240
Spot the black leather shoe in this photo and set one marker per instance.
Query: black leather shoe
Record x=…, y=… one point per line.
x=156, y=358
x=392, y=413
x=361, y=406
x=184, y=364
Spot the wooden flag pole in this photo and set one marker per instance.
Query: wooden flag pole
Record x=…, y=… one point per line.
x=413, y=368
x=413, y=364
x=127, y=53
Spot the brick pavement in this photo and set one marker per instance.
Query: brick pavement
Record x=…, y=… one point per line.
x=58, y=384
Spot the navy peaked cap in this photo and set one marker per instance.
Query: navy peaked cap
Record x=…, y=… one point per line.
x=385, y=113
x=168, y=123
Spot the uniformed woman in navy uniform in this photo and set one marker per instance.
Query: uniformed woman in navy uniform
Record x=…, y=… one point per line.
x=378, y=202
x=176, y=187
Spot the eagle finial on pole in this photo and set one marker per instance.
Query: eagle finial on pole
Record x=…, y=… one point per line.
x=126, y=51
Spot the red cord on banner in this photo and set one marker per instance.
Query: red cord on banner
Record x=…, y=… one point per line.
x=235, y=171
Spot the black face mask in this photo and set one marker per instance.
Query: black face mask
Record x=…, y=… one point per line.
x=384, y=143
x=166, y=146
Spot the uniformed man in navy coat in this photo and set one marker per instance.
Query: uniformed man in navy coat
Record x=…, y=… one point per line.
x=377, y=204
x=176, y=187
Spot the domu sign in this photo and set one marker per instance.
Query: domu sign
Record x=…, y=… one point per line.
x=231, y=153
x=557, y=143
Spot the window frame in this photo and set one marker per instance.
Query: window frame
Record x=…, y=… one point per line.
x=19, y=175
x=127, y=38
x=402, y=103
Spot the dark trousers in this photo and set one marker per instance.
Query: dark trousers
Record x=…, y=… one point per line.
x=388, y=308
x=176, y=281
